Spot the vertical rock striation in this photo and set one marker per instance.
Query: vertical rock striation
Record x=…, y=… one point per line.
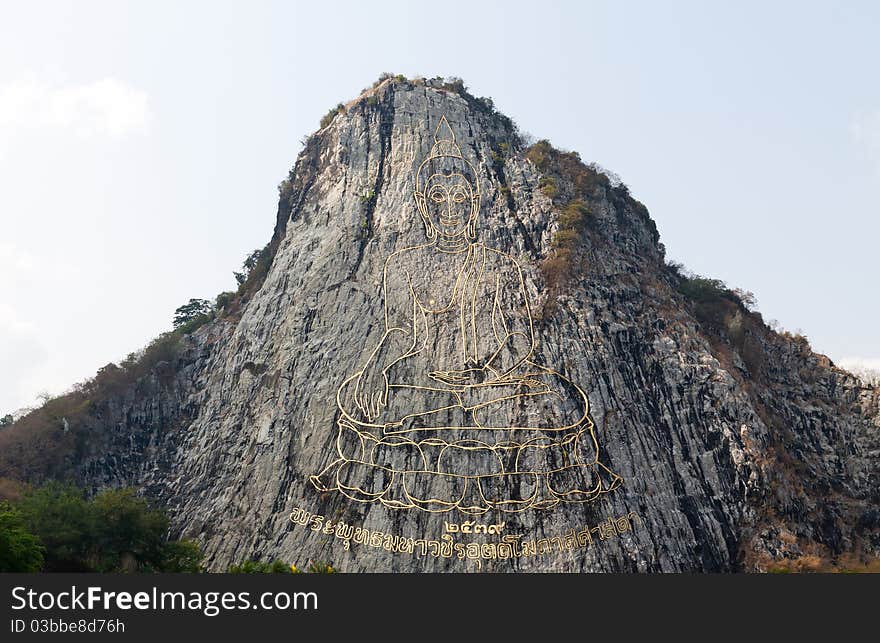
x=737, y=447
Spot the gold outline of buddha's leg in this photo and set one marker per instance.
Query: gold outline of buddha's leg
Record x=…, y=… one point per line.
x=428, y=504
x=517, y=505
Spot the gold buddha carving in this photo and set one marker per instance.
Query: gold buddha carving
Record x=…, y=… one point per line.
x=450, y=411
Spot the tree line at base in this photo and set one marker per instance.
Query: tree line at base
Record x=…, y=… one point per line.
x=56, y=528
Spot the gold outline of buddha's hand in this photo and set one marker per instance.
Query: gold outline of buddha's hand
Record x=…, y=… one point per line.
x=371, y=392
x=464, y=377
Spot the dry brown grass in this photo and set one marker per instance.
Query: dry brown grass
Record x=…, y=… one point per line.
x=572, y=186
x=11, y=490
x=815, y=564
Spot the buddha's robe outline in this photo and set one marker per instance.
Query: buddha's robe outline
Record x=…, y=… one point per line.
x=520, y=438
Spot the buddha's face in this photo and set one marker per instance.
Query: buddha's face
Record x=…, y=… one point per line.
x=449, y=204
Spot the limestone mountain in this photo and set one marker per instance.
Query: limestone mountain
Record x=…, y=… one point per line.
x=716, y=443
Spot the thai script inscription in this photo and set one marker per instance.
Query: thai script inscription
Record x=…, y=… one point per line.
x=510, y=545
x=472, y=527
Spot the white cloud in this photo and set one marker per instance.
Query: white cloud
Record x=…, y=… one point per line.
x=104, y=107
x=865, y=130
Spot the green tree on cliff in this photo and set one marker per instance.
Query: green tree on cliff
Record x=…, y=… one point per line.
x=192, y=314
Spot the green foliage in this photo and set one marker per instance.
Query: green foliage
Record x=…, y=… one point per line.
x=182, y=556
x=20, y=550
x=110, y=378
x=373, y=99
x=482, y=104
x=59, y=516
x=586, y=180
x=566, y=238
x=260, y=567
x=548, y=187
x=116, y=531
x=575, y=218
x=583, y=185
x=128, y=534
x=192, y=314
x=253, y=273
x=367, y=196
x=279, y=567
x=6, y=420
x=499, y=154
x=727, y=314
x=253, y=259
x=254, y=269
x=165, y=348
x=381, y=79
x=713, y=303
x=329, y=116
x=450, y=83
x=539, y=154
x=55, y=528
x=704, y=290
x=222, y=300
x=712, y=296
x=577, y=190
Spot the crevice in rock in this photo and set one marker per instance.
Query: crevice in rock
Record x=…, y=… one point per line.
x=385, y=109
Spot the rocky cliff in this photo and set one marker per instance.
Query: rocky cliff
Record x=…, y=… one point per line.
x=738, y=447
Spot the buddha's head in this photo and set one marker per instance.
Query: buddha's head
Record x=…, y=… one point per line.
x=446, y=191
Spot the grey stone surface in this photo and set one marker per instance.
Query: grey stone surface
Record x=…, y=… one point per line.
x=230, y=434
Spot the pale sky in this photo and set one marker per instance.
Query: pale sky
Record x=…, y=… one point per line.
x=141, y=145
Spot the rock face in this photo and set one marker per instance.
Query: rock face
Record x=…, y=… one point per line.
x=735, y=448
